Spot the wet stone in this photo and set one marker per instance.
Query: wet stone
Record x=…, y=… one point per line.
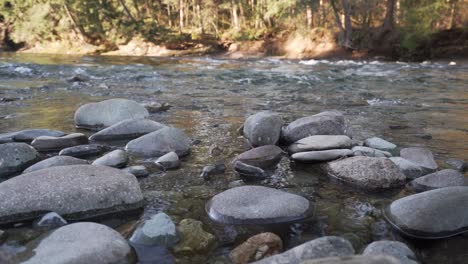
x=50, y=220
x=250, y=172
x=159, y=143
x=321, y=155
x=84, y=151
x=262, y=157
x=159, y=230
x=257, y=247
x=370, y=152
x=408, y=168
x=117, y=159
x=168, y=161
x=440, y=179
x=459, y=165
x=47, y=143
x=395, y=249
x=192, y=237
x=378, y=143
x=321, y=142
x=127, y=129
x=211, y=170
x=55, y=161
x=15, y=157
x=138, y=171
x=420, y=156
x=263, y=128
x=29, y=135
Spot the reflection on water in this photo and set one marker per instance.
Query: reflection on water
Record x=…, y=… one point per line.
x=407, y=103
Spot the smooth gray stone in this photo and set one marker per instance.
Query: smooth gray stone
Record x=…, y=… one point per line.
x=328, y=246
x=46, y=143
x=138, y=171
x=370, y=152
x=15, y=157
x=395, y=249
x=321, y=155
x=168, y=161
x=324, y=123
x=379, y=143
x=440, y=179
x=249, y=171
x=117, y=159
x=158, y=143
x=356, y=259
x=257, y=205
x=263, y=128
x=50, y=220
x=84, y=151
x=96, y=116
x=159, y=230
x=408, y=168
x=262, y=157
x=458, y=165
x=55, y=161
x=7, y=137
x=29, y=135
x=79, y=243
x=432, y=214
x=128, y=129
x=321, y=142
x=422, y=157
x=210, y=170
x=74, y=192
x=367, y=172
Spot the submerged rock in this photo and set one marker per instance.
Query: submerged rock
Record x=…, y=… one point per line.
x=158, y=143
x=128, y=129
x=168, y=161
x=84, y=151
x=72, y=191
x=15, y=157
x=321, y=142
x=46, y=143
x=55, y=161
x=210, y=170
x=440, y=179
x=117, y=159
x=249, y=171
x=321, y=155
x=420, y=156
x=159, y=230
x=96, y=116
x=138, y=171
x=324, y=123
x=192, y=237
x=432, y=214
x=51, y=220
x=262, y=157
x=408, y=168
x=257, y=205
x=257, y=247
x=263, y=128
x=29, y=135
x=370, y=152
x=366, y=172
x=395, y=249
x=378, y=143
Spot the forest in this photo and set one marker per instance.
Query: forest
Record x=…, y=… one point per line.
x=396, y=28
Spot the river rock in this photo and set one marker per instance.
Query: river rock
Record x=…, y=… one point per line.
x=29, y=135
x=84, y=151
x=127, y=129
x=378, y=143
x=15, y=157
x=158, y=143
x=47, y=143
x=356, y=259
x=263, y=128
x=210, y=170
x=55, y=161
x=370, y=152
x=395, y=249
x=408, y=168
x=168, y=161
x=321, y=142
x=96, y=116
x=440, y=179
x=420, y=156
x=7, y=137
x=257, y=205
x=117, y=159
x=192, y=237
x=321, y=155
x=72, y=191
x=79, y=243
x=250, y=172
x=262, y=157
x=432, y=214
x=159, y=230
x=138, y=171
x=324, y=123
x=322, y=247
x=50, y=220
x=257, y=247
x=367, y=172
x=458, y=165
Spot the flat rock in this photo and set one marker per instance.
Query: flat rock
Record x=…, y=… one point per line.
x=440, y=179
x=378, y=143
x=96, y=116
x=158, y=143
x=395, y=249
x=127, y=129
x=55, y=161
x=260, y=246
x=29, y=135
x=408, y=168
x=432, y=214
x=192, y=237
x=84, y=151
x=263, y=128
x=367, y=172
x=74, y=192
x=262, y=157
x=356, y=259
x=257, y=205
x=159, y=230
x=117, y=159
x=321, y=142
x=328, y=246
x=47, y=143
x=79, y=243
x=370, y=152
x=321, y=155
x=15, y=157
x=168, y=161
x=420, y=156
x=138, y=171
x=324, y=123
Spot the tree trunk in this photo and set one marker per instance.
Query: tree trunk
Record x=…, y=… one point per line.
x=389, y=15
x=451, y=23
x=127, y=11
x=347, y=22
x=199, y=18
x=181, y=14
x=234, y=17
x=309, y=16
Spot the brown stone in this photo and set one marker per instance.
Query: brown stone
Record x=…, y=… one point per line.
x=257, y=247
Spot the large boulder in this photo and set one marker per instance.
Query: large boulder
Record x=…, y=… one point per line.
x=432, y=214
x=128, y=129
x=420, y=156
x=261, y=157
x=366, y=172
x=54, y=162
x=96, y=116
x=79, y=243
x=48, y=143
x=440, y=179
x=260, y=246
x=15, y=157
x=328, y=246
x=158, y=143
x=321, y=155
x=263, y=128
x=321, y=142
x=75, y=192
x=29, y=135
x=325, y=123
x=257, y=205
x=395, y=249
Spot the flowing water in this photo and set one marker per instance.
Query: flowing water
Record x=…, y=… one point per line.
x=410, y=104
